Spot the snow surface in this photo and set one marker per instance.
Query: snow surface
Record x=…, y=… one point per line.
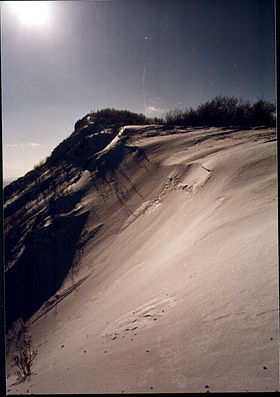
x=181, y=288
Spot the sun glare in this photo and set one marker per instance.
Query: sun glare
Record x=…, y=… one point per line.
x=33, y=13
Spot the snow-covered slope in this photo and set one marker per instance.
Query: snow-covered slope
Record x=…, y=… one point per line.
x=155, y=264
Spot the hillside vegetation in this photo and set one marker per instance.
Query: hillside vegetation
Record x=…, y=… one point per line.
x=225, y=111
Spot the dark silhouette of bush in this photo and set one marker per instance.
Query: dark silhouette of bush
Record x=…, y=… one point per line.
x=182, y=117
x=175, y=117
x=24, y=358
x=155, y=120
x=111, y=117
x=225, y=111
x=219, y=111
x=262, y=112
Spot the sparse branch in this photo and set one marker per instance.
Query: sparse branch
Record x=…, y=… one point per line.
x=24, y=358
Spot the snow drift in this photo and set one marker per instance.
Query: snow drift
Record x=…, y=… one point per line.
x=146, y=261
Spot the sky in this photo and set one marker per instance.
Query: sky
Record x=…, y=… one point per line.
x=146, y=56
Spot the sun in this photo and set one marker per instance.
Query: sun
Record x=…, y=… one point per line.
x=32, y=13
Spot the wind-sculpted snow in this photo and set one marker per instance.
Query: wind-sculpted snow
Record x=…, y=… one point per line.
x=34, y=206
x=150, y=254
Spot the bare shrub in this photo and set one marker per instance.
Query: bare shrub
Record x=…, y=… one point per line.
x=225, y=111
x=24, y=358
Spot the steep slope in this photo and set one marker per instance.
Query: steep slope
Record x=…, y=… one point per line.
x=153, y=268
x=42, y=227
